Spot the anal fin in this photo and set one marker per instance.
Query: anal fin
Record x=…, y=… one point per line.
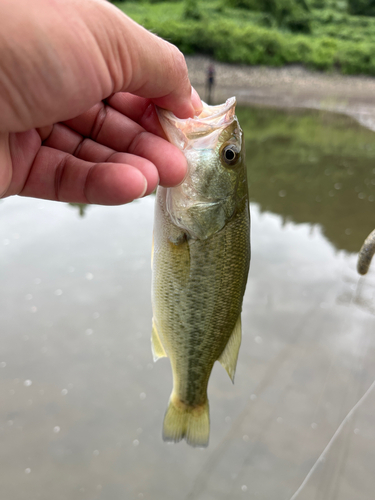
x=228, y=358
x=156, y=345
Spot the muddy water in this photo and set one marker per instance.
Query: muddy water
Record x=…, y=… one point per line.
x=82, y=402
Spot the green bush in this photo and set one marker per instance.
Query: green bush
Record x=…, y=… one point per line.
x=256, y=5
x=192, y=10
x=355, y=59
x=151, y=1
x=296, y=50
x=254, y=45
x=291, y=14
x=339, y=41
x=298, y=22
x=362, y=7
x=318, y=4
x=322, y=55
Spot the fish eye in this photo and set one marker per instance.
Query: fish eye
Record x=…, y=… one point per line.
x=230, y=154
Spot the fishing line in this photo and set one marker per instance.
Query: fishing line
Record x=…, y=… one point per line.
x=327, y=448
x=322, y=456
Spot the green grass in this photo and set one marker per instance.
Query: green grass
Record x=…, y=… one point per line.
x=337, y=41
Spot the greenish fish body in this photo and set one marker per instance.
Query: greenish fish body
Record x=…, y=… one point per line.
x=201, y=257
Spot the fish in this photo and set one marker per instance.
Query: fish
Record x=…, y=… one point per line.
x=366, y=253
x=200, y=264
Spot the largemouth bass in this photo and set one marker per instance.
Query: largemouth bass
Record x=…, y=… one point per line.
x=201, y=257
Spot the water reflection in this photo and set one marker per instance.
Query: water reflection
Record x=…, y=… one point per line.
x=81, y=410
x=313, y=166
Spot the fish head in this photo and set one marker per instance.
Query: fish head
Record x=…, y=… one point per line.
x=215, y=184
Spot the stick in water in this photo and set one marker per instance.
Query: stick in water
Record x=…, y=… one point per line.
x=366, y=253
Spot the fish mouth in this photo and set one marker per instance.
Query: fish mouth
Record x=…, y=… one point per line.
x=218, y=114
x=212, y=118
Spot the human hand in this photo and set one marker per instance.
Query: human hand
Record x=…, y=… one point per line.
x=78, y=84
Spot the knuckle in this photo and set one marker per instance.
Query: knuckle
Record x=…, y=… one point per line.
x=136, y=143
x=59, y=176
x=179, y=62
x=177, y=66
x=81, y=147
x=99, y=121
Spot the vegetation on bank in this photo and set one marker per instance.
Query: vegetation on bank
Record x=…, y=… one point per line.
x=321, y=34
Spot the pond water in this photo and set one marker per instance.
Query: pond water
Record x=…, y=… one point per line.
x=82, y=403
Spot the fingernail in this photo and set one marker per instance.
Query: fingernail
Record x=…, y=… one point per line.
x=196, y=101
x=145, y=189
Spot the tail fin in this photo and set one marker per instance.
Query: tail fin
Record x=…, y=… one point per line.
x=189, y=422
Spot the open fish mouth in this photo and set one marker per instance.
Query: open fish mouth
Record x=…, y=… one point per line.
x=212, y=118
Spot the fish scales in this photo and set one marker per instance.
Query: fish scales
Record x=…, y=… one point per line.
x=198, y=286
x=198, y=312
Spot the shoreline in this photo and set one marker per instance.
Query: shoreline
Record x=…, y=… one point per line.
x=288, y=87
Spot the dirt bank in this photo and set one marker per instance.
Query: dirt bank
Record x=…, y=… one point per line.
x=291, y=86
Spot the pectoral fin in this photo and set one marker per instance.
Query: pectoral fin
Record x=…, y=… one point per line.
x=228, y=358
x=156, y=345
